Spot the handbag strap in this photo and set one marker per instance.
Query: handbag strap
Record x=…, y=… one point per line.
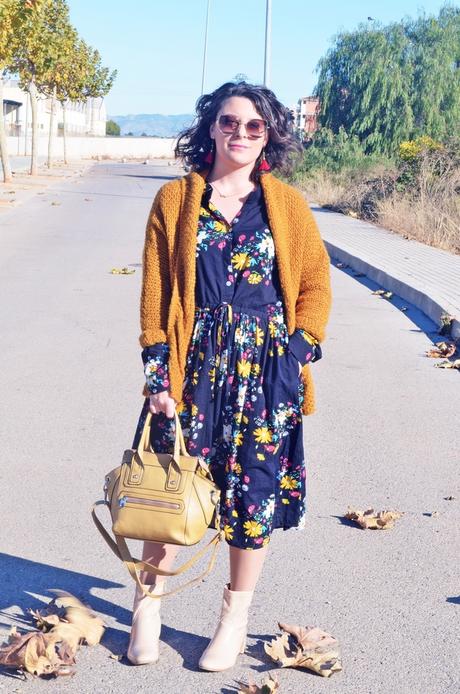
x=179, y=442
x=134, y=566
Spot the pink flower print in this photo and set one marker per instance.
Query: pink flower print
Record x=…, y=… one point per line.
x=294, y=494
x=204, y=451
x=241, y=238
x=201, y=416
x=270, y=448
x=246, y=273
x=308, y=356
x=221, y=245
x=230, y=379
x=258, y=540
x=251, y=509
x=246, y=479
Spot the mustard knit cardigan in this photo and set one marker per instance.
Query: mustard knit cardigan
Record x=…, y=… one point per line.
x=168, y=286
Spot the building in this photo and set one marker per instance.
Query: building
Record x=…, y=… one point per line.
x=307, y=115
x=82, y=118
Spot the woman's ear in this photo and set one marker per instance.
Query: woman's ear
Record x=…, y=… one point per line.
x=212, y=131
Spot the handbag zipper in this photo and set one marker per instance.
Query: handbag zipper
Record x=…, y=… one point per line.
x=122, y=501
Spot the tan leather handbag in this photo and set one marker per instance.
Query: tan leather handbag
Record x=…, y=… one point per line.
x=160, y=497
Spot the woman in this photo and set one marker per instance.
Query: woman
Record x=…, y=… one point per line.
x=234, y=303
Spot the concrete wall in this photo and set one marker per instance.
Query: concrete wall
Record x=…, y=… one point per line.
x=87, y=147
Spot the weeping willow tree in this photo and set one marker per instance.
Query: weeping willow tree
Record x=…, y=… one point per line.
x=389, y=84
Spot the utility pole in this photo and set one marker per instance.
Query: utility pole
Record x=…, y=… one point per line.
x=205, y=47
x=268, y=41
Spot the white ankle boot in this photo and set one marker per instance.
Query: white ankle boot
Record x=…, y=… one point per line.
x=146, y=625
x=230, y=637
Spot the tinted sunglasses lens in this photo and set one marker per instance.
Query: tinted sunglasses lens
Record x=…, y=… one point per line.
x=256, y=127
x=227, y=124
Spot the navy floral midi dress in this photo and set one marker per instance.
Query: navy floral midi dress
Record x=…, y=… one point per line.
x=242, y=392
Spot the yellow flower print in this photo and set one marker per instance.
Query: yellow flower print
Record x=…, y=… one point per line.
x=237, y=469
x=237, y=417
x=240, y=261
x=255, y=369
x=235, y=513
x=195, y=378
x=263, y=435
x=212, y=375
x=204, y=212
x=194, y=410
x=266, y=541
x=260, y=456
x=238, y=438
x=289, y=482
x=280, y=350
x=180, y=407
x=228, y=530
x=252, y=528
x=285, y=501
x=259, y=335
x=201, y=356
x=272, y=328
x=254, y=278
x=244, y=367
x=219, y=227
x=309, y=338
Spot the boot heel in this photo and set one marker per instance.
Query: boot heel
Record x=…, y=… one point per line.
x=243, y=645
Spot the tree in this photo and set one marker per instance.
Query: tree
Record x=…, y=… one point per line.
x=8, y=11
x=54, y=79
x=35, y=53
x=98, y=82
x=389, y=84
x=112, y=128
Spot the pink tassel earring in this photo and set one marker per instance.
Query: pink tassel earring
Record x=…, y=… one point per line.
x=209, y=158
x=264, y=165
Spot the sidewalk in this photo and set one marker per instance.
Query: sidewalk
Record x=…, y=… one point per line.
x=426, y=277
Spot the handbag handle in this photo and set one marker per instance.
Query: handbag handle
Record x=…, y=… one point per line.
x=121, y=550
x=179, y=442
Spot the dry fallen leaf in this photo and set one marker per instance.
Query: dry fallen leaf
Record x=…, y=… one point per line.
x=90, y=626
x=381, y=520
x=442, y=349
x=268, y=685
x=121, y=271
x=449, y=498
x=64, y=624
x=33, y=652
x=307, y=647
x=448, y=364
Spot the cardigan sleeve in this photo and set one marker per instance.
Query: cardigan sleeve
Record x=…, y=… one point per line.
x=314, y=300
x=156, y=282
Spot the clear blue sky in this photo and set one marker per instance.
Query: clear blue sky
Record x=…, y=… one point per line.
x=157, y=45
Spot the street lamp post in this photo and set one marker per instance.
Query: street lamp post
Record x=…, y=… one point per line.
x=205, y=47
x=268, y=40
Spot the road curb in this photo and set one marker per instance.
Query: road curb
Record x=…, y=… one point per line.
x=425, y=300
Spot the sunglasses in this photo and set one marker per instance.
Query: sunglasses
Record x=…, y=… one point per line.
x=256, y=127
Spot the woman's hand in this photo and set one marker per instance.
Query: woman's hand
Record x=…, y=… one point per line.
x=162, y=402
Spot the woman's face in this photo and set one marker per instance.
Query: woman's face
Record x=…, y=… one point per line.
x=241, y=147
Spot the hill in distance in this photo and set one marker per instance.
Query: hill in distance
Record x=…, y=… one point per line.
x=154, y=124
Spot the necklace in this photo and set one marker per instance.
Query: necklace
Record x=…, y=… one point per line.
x=232, y=195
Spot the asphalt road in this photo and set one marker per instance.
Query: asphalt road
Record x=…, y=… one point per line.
x=386, y=435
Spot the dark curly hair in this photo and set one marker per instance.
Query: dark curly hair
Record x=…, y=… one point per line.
x=282, y=148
